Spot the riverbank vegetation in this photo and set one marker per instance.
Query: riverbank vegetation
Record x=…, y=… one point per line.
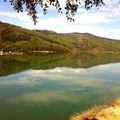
x=110, y=111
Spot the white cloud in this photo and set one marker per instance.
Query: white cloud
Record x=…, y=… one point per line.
x=116, y=30
x=19, y=16
x=91, y=18
x=85, y=21
x=22, y=17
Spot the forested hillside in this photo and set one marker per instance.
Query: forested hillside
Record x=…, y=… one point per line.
x=17, y=39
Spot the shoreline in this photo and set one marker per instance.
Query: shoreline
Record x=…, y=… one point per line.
x=110, y=111
x=10, y=53
x=52, y=52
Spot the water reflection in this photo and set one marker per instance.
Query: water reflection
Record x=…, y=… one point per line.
x=14, y=64
x=56, y=92
x=61, y=84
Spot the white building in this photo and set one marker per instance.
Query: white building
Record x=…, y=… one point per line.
x=1, y=52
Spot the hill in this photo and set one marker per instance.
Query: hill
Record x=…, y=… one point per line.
x=17, y=39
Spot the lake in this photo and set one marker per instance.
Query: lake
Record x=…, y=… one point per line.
x=54, y=87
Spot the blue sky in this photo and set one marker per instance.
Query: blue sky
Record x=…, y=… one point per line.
x=103, y=22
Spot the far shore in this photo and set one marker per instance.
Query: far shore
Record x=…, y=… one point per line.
x=11, y=53
x=52, y=52
x=21, y=53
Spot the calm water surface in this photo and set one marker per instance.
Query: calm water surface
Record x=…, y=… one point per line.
x=51, y=87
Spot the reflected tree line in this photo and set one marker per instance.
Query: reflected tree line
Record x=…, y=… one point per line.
x=15, y=64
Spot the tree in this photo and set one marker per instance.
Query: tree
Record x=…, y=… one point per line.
x=71, y=6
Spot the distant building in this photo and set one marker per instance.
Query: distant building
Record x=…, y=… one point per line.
x=1, y=52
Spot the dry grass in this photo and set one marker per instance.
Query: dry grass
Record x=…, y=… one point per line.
x=110, y=111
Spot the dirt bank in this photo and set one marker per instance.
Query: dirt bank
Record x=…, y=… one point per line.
x=110, y=111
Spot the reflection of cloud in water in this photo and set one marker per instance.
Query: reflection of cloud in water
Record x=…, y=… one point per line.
x=46, y=97
x=68, y=85
x=57, y=78
x=102, y=67
x=67, y=70
x=76, y=71
x=65, y=76
x=56, y=70
x=108, y=67
x=79, y=81
x=73, y=96
x=21, y=81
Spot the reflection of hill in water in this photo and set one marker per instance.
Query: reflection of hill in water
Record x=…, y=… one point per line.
x=14, y=64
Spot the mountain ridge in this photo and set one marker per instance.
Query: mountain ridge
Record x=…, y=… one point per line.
x=15, y=38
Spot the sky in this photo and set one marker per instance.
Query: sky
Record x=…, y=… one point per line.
x=104, y=22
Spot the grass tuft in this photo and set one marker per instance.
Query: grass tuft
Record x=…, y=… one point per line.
x=111, y=111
